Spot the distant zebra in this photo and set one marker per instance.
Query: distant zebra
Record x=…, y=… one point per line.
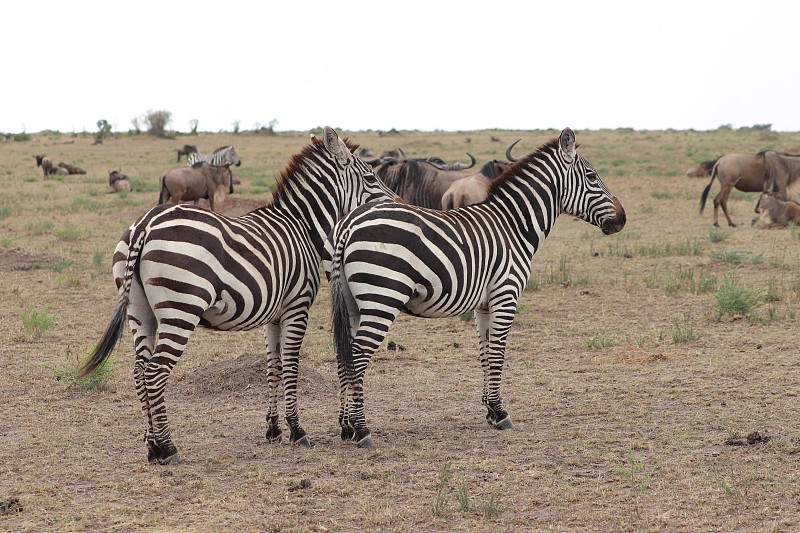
x=180, y=266
x=225, y=155
x=390, y=257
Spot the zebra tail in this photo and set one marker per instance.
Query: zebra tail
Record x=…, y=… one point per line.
x=704, y=196
x=340, y=316
x=116, y=325
x=109, y=339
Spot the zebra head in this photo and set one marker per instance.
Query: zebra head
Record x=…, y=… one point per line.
x=356, y=181
x=227, y=156
x=584, y=194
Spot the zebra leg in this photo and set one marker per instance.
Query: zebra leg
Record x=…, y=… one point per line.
x=143, y=327
x=344, y=416
x=171, y=341
x=272, y=340
x=292, y=332
x=492, y=355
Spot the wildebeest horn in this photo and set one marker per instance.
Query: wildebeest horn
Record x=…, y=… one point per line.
x=508, y=151
x=462, y=166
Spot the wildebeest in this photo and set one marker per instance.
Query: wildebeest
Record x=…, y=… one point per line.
x=191, y=184
x=48, y=168
x=119, y=181
x=71, y=169
x=421, y=182
x=186, y=150
x=771, y=170
x=701, y=170
x=473, y=188
x=777, y=213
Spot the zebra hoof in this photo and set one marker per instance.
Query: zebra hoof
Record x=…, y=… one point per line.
x=171, y=460
x=366, y=442
x=275, y=440
x=303, y=441
x=504, y=423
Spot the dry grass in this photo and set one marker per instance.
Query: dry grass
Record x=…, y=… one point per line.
x=626, y=432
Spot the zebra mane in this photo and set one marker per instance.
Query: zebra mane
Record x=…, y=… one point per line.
x=220, y=149
x=295, y=165
x=515, y=169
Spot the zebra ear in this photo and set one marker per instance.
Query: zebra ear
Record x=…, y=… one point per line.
x=336, y=146
x=566, y=142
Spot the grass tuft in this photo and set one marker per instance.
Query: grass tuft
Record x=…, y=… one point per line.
x=68, y=372
x=37, y=323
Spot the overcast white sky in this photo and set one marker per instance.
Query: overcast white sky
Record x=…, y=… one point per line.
x=409, y=64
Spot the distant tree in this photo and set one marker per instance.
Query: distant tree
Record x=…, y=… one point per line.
x=235, y=124
x=135, y=123
x=157, y=122
x=103, y=129
x=193, y=125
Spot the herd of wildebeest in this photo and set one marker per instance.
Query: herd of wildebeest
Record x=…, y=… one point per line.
x=431, y=182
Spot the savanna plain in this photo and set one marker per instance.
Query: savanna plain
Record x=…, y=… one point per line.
x=652, y=375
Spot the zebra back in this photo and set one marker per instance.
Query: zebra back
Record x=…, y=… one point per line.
x=225, y=155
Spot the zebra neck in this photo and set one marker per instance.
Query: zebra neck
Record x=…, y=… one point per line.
x=528, y=199
x=308, y=203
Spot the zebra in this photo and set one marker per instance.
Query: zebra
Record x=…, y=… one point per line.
x=224, y=155
x=389, y=257
x=180, y=266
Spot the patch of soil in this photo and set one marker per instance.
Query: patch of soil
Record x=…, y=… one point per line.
x=19, y=259
x=237, y=375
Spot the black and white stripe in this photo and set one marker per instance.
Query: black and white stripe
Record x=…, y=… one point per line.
x=225, y=155
x=181, y=266
x=391, y=257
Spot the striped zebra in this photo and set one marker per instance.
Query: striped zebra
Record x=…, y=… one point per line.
x=390, y=257
x=224, y=155
x=181, y=266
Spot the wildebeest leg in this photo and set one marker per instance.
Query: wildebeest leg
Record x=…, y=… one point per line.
x=272, y=340
x=292, y=332
x=493, y=333
x=722, y=200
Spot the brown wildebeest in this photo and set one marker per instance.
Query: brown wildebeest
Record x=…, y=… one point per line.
x=776, y=213
x=421, y=182
x=44, y=162
x=119, y=181
x=751, y=173
x=473, y=188
x=701, y=170
x=191, y=184
x=186, y=150
x=71, y=169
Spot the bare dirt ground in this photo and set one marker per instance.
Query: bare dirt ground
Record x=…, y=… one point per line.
x=637, y=404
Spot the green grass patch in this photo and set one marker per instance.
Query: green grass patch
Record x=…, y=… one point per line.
x=600, y=341
x=718, y=235
x=683, y=331
x=36, y=322
x=734, y=300
x=68, y=233
x=68, y=372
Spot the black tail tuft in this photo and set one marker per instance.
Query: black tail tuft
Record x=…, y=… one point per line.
x=109, y=339
x=704, y=196
x=163, y=193
x=342, y=335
